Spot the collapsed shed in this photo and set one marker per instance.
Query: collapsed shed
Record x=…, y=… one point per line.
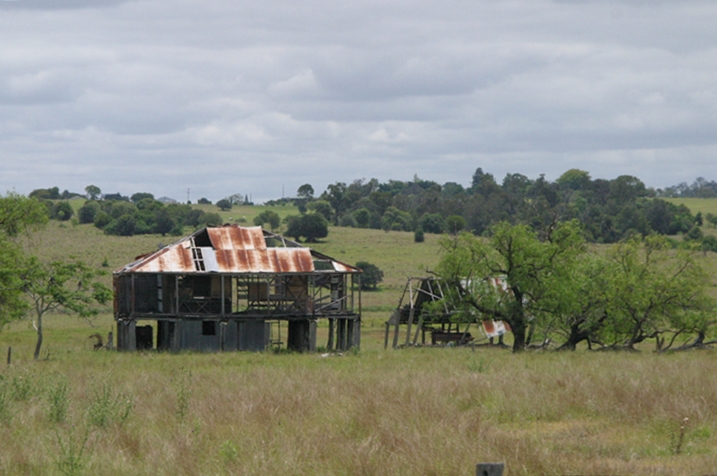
x=423, y=306
x=233, y=288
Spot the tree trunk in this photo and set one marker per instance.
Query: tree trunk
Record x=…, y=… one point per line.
x=518, y=336
x=38, y=345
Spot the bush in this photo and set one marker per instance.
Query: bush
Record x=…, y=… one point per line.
x=88, y=212
x=311, y=226
x=102, y=219
x=418, y=236
x=363, y=217
x=224, y=204
x=122, y=226
x=455, y=224
x=211, y=219
x=268, y=217
x=62, y=211
x=371, y=275
x=432, y=223
x=348, y=221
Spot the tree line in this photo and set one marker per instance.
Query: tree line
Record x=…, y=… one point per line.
x=608, y=210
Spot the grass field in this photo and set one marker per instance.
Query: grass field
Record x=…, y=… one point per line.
x=419, y=411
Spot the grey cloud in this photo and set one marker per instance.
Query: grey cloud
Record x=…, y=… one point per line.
x=227, y=97
x=57, y=4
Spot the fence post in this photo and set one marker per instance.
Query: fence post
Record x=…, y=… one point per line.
x=489, y=469
x=9, y=355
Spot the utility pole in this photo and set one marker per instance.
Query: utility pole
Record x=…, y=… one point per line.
x=188, y=196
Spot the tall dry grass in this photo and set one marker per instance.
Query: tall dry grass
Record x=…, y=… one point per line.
x=407, y=412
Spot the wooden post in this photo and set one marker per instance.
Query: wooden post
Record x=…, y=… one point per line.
x=489, y=469
x=418, y=329
x=332, y=325
x=9, y=355
x=410, y=315
x=396, y=328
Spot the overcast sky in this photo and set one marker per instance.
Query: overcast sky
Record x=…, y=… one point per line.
x=238, y=96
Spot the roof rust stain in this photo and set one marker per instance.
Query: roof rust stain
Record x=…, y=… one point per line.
x=236, y=250
x=237, y=238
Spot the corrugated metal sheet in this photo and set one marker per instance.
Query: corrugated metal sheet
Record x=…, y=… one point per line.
x=235, y=250
x=237, y=238
x=270, y=260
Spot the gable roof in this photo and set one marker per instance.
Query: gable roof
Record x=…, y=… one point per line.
x=233, y=249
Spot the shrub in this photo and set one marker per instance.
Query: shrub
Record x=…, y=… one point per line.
x=102, y=219
x=62, y=211
x=88, y=212
x=371, y=275
x=418, y=236
x=224, y=204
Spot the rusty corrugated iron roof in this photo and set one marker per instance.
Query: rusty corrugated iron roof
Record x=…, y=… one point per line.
x=233, y=250
x=237, y=238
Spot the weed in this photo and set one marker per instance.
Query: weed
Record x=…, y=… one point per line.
x=5, y=412
x=105, y=408
x=73, y=453
x=229, y=451
x=57, y=397
x=183, y=393
x=22, y=387
x=481, y=366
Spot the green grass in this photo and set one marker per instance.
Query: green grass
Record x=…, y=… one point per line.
x=406, y=412
x=697, y=205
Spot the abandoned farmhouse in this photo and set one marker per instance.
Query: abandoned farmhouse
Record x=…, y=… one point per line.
x=235, y=288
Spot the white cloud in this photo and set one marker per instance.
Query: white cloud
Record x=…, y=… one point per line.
x=227, y=97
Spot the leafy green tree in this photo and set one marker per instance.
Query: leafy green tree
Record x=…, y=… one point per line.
x=362, y=217
x=306, y=191
x=87, y=212
x=195, y=217
x=163, y=222
x=395, y=219
x=418, y=235
x=311, y=226
x=455, y=224
x=71, y=286
x=651, y=289
x=139, y=196
x=582, y=309
x=150, y=204
x=125, y=225
x=533, y=271
x=12, y=306
x=20, y=214
x=93, y=192
x=102, y=219
x=268, y=217
x=62, y=211
x=46, y=193
x=336, y=195
x=204, y=201
x=371, y=276
x=432, y=223
x=224, y=204
x=211, y=219
x=323, y=207
x=574, y=179
x=120, y=208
